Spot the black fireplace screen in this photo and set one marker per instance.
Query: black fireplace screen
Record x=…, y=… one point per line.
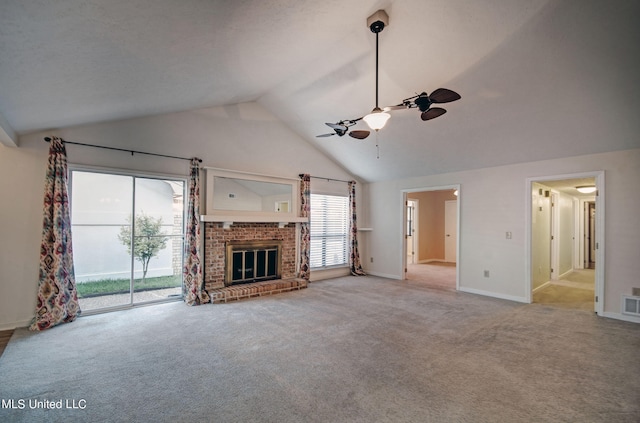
x=252, y=263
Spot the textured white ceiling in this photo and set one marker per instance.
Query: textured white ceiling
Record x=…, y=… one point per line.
x=538, y=78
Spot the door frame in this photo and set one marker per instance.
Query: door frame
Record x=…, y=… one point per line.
x=600, y=224
x=403, y=216
x=554, y=234
x=414, y=236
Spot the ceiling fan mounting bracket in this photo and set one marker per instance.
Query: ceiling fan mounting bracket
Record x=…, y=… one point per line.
x=378, y=21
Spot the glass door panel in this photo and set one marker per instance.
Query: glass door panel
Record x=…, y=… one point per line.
x=114, y=269
x=100, y=207
x=158, y=239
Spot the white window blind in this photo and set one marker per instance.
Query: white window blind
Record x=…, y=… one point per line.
x=329, y=224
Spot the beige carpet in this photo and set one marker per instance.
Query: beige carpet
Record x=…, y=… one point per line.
x=352, y=349
x=437, y=275
x=575, y=291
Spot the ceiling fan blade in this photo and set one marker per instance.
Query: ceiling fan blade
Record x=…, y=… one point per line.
x=396, y=107
x=432, y=113
x=444, y=95
x=359, y=134
x=325, y=135
x=336, y=126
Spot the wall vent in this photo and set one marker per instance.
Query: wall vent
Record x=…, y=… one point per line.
x=631, y=305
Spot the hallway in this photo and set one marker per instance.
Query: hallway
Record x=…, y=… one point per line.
x=574, y=291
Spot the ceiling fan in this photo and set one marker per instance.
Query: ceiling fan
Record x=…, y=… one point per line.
x=423, y=102
x=378, y=117
x=342, y=127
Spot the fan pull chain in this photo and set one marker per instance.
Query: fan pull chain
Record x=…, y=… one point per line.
x=377, y=146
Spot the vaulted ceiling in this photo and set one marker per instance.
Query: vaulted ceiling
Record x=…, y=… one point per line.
x=539, y=79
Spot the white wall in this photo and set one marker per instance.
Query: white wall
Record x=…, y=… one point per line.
x=243, y=137
x=566, y=235
x=493, y=202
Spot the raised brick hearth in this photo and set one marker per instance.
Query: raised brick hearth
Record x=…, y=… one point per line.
x=257, y=289
x=216, y=238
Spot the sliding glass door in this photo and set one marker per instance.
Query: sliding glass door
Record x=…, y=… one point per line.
x=128, y=234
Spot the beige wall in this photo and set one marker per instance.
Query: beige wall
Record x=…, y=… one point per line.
x=431, y=223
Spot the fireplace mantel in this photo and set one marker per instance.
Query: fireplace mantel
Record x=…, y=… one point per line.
x=230, y=219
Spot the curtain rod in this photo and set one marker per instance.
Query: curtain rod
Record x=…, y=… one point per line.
x=327, y=179
x=48, y=139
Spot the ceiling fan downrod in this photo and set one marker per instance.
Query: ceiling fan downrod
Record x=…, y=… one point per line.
x=377, y=28
x=377, y=118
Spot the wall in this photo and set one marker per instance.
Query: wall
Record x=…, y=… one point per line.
x=540, y=233
x=566, y=235
x=431, y=223
x=243, y=137
x=493, y=201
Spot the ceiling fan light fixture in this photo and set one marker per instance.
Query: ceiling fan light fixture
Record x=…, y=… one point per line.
x=586, y=189
x=376, y=119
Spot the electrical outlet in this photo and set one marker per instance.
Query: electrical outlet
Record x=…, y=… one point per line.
x=508, y=234
x=486, y=273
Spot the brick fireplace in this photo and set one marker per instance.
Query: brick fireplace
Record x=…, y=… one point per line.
x=217, y=238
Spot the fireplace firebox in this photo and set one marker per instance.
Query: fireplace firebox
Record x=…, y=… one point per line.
x=252, y=261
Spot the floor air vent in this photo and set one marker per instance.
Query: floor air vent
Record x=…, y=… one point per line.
x=631, y=305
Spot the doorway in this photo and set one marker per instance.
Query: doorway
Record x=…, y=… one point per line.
x=589, y=235
x=562, y=242
x=430, y=232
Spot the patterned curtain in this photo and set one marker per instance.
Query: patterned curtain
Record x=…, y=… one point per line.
x=57, y=296
x=193, y=291
x=305, y=234
x=354, y=256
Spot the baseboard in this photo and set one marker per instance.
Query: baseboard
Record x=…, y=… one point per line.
x=427, y=261
x=566, y=273
x=15, y=325
x=544, y=285
x=619, y=316
x=384, y=275
x=494, y=295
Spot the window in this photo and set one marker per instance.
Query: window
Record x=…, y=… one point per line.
x=329, y=230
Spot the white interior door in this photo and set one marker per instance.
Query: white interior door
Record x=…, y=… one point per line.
x=450, y=230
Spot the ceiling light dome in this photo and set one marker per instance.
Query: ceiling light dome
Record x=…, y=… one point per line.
x=377, y=119
x=586, y=189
